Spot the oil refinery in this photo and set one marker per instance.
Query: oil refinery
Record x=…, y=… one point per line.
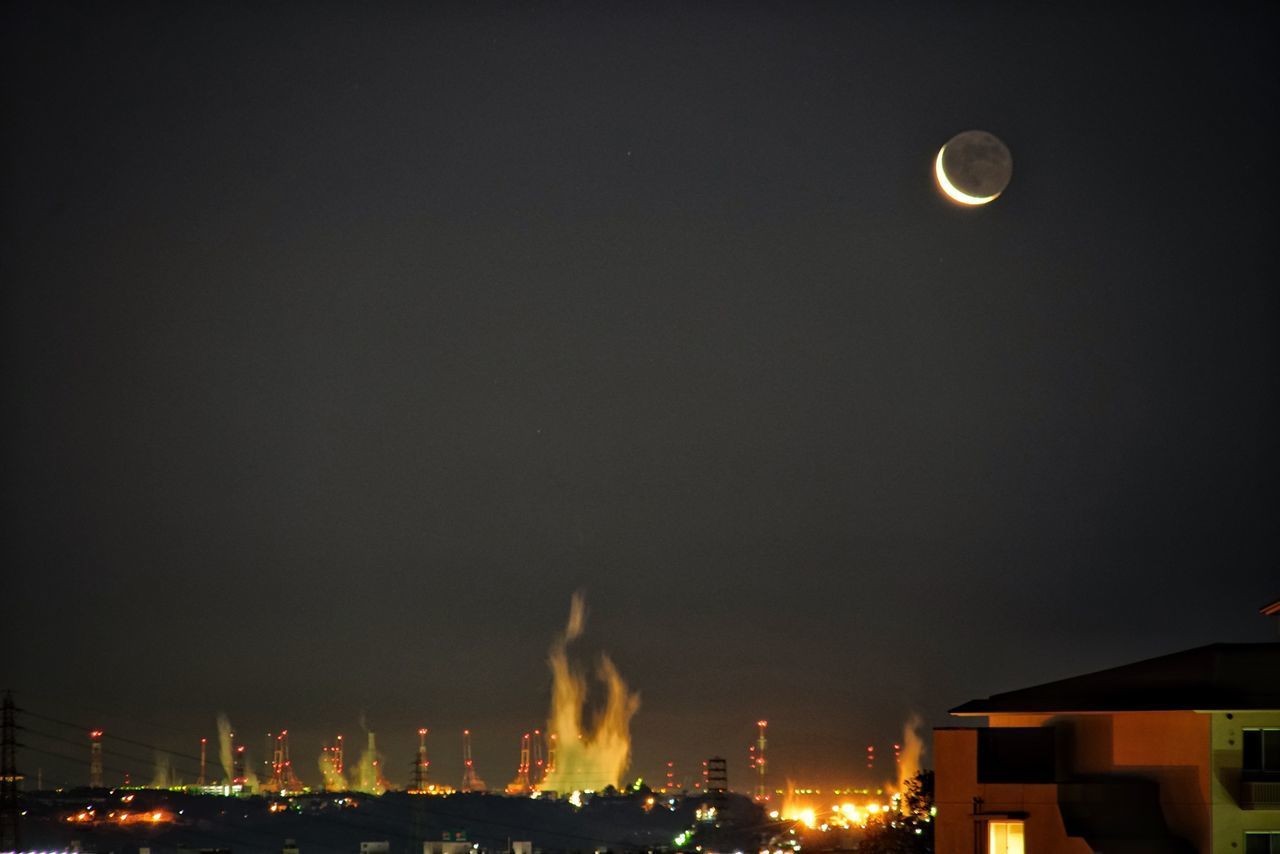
x=568, y=789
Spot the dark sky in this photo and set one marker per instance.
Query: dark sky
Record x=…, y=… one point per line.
x=344, y=341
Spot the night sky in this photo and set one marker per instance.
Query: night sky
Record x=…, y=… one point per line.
x=344, y=341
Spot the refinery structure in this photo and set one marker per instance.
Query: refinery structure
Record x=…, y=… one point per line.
x=576, y=760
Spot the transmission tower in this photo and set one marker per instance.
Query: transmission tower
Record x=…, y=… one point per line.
x=471, y=781
x=421, y=764
x=95, y=759
x=417, y=807
x=10, y=814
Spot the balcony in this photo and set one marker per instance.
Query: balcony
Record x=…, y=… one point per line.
x=1262, y=794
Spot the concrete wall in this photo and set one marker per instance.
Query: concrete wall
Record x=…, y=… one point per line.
x=1229, y=821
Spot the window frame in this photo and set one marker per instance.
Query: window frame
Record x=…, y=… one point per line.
x=1268, y=766
x=991, y=825
x=1273, y=844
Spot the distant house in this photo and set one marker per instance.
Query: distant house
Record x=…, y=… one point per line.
x=1175, y=754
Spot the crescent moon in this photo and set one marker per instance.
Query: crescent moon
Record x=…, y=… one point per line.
x=951, y=190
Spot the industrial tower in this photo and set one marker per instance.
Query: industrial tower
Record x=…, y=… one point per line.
x=551, y=756
x=471, y=781
x=421, y=764
x=331, y=766
x=717, y=776
x=762, y=792
x=10, y=814
x=238, y=759
x=371, y=779
x=204, y=743
x=283, y=779
x=539, y=772
x=95, y=759
x=520, y=785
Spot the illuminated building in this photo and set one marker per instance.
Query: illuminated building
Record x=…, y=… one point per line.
x=1177, y=753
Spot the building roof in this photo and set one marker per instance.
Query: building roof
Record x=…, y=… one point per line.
x=1221, y=676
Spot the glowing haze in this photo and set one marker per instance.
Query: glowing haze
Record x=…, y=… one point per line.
x=912, y=748
x=594, y=757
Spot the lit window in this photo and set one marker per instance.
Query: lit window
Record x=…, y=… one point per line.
x=1262, y=843
x=1005, y=837
x=1261, y=750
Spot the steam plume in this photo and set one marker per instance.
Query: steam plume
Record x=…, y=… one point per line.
x=224, y=747
x=335, y=779
x=163, y=777
x=369, y=768
x=589, y=758
x=912, y=748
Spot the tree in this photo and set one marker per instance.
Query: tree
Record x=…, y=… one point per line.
x=908, y=831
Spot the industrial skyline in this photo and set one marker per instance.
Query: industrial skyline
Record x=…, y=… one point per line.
x=343, y=344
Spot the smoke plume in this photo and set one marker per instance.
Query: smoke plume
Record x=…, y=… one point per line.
x=226, y=755
x=912, y=748
x=224, y=747
x=335, y=779
x=589, y=758
x=369, y=768
x=163, y=777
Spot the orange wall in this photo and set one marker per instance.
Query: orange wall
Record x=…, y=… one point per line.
x=1171, y=748
x=955, y=753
